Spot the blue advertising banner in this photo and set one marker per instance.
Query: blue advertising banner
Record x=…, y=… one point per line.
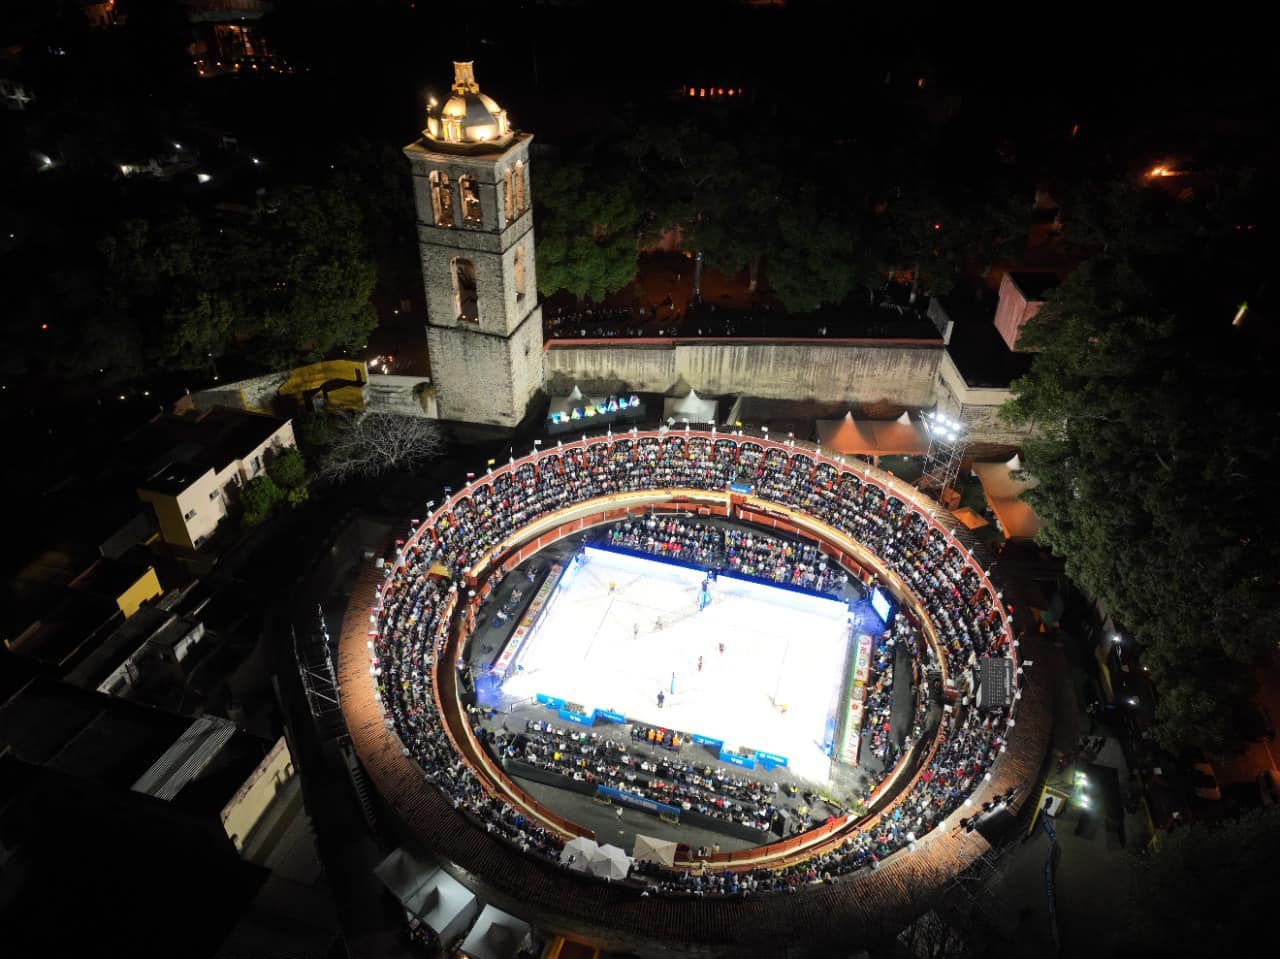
x=708, y=741
x=551, y=702
x=743, y=761
x=582, y=719
x=608, y=715
x=638, y=802
x=740, y=488
x=770, y=760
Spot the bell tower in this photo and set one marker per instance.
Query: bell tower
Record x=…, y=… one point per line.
x=475, y=239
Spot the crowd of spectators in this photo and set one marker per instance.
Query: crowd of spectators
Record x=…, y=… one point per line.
x=719, y=548
x=415, y=601
x=591, y=758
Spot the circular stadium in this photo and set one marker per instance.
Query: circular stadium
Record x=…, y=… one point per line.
x=761, y=660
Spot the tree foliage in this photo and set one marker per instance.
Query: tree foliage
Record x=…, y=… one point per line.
x=288, y=469
x=176, y=291
x=1208, y=889
x=259, y=497
x=587, y=229
x=371, y=444
x=1156, y=456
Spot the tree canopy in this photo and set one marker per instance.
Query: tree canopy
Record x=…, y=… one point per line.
x=290, y=281
x=1208, y=888
x=1156, y=455
x=587, y=231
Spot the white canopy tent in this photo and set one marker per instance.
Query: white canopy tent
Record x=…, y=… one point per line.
x=565, y=404
x=690, y=408
x=496, y=935
x=577, y=853
x=609, y=862
x=429, y=893
x=649, y=849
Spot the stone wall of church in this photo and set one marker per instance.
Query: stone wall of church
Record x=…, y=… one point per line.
x=853, y=371
x=486, y=379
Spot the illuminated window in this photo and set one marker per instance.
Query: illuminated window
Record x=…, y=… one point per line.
x=441, y=198
x=517, y=187
x=508, y=199
x=465, y=299
x=518, y=271
x=470, y=199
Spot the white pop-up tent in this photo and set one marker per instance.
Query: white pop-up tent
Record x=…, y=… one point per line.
x=649, y=849
x=429, y=893
x=690, y=408
x=609, y=862
x=577, y=853
x=496, y=935
x=564, y=405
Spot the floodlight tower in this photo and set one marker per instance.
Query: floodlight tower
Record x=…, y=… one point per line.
x=948, y=442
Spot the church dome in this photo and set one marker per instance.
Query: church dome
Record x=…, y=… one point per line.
x=469, y=117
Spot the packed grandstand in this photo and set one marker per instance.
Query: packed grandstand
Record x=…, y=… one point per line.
x=418, y=598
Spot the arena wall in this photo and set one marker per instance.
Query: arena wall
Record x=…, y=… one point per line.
x=901, y=372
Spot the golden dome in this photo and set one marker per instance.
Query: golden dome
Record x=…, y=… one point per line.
x=469, y=117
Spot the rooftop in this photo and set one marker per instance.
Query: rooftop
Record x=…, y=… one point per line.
x=195, y=764
x=979, y=353
x=1034, y=286
x=172, y=478
x=110, y=577
x=176, y=450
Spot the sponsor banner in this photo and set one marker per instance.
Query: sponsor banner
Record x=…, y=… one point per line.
x=770, y=760
x=638, y=802
x=862, y=660
x=852, y=733
x=708, y=741
x=740, y=488
x=743, y=761
x=551, y=702
x=523, y=631
x=582, y=719
x=609, y=716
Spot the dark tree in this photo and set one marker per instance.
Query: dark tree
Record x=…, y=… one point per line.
x=1157, y=459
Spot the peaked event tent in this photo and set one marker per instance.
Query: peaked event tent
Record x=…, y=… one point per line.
x=609, y=862
x=1002, y=490
x=429, y=893
x=565, y=404
x=690, y=408
x=581, y=849
x=649, y=849
x=496, y=935
x=900, y=437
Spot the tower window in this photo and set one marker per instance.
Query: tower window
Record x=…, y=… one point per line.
x=517, y=187
x=441, y=198
x=465, y=299
x=508, y=198
x=517, y=272
x=470, y=199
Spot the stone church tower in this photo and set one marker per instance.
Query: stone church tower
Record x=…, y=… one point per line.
x=475, y=236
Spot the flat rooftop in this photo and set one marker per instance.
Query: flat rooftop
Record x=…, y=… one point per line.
x=976, y=347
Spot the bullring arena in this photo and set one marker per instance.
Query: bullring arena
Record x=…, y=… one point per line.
x=408, y=692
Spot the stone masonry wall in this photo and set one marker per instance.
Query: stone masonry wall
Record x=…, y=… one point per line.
x=853, y=371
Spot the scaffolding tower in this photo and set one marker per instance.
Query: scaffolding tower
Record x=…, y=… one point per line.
x=948, y=443
x=319, y=682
